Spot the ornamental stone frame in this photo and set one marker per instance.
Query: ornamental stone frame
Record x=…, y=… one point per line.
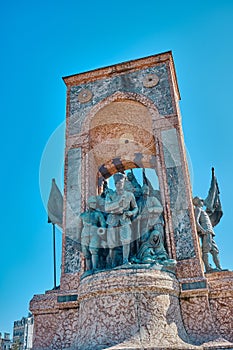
x=108, y=121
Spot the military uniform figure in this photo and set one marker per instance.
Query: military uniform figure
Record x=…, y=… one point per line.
x=206, y=232
x=121, y=206
x=150, y=214
x=132, y=185
x=89, y=224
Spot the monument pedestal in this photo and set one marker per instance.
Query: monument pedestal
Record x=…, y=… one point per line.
x=133, y=308
x=207, y=311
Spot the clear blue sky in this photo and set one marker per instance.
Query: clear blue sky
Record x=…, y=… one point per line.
x=41, y=41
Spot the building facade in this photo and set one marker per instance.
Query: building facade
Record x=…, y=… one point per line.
x=23, y=333
x=5, y=342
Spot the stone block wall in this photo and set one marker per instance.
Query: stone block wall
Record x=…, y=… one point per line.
x=135, y=309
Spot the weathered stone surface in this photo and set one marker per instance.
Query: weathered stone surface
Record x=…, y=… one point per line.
x=221, y=302
x=183, y=234
x=55, y=331
x=73, y=208
x=136, y=309
x=133, y=82
x=120, y=305
x=208, y=313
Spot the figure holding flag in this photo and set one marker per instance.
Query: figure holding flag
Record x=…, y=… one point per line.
x=206, y=220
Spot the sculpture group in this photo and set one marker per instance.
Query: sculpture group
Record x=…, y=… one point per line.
x=123, y=227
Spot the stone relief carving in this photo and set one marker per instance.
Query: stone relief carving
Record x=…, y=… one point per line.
x=84, y=96
x=150, y=80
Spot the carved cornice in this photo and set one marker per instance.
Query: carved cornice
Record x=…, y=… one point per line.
x=121, y=68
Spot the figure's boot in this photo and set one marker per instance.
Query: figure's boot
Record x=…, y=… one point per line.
x=110, y=258
x=94, y=259
x=205, y=259
x=88, y=264
x=217, y=261
x=126, y=248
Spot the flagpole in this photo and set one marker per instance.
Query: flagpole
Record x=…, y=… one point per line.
x=55, y=212
x=54, y=258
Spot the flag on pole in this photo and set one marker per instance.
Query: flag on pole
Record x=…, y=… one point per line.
x=152, y=191
x=213, y=203
x=147, y=182
x=55, y=205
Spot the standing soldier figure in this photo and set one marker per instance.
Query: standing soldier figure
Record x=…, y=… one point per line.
x=206, y=232
x=150, y=214
x=121, y=207
x=88, y=226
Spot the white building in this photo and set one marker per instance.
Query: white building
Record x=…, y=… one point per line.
x=28, y=333
x=5, y=343
x=23, y=333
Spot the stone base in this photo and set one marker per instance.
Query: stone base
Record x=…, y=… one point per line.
x=133, y=309
x=137, y=306
x=130, y=346
x=207, y=312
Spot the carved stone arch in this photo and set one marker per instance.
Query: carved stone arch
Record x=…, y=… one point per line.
x=121, y=96
x=120, y=130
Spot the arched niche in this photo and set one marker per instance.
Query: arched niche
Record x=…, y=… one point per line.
x=120, y=138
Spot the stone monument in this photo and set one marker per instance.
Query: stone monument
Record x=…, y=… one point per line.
x=134, y=275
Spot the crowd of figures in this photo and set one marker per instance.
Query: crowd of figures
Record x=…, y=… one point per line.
x=123, y=226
